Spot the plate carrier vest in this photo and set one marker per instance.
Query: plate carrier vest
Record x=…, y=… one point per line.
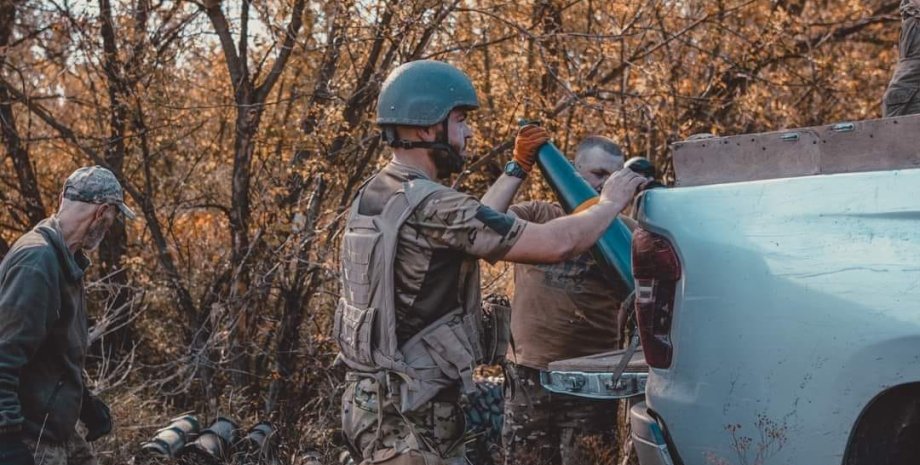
x=365, y=319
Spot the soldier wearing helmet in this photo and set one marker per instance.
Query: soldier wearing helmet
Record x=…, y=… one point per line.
x=408, y=321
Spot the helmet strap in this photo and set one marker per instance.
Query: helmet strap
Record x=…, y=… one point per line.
x=447, y=160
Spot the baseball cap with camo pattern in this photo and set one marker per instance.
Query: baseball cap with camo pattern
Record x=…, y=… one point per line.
x=95, y=184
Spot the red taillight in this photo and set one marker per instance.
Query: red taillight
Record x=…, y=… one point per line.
x=656, y=269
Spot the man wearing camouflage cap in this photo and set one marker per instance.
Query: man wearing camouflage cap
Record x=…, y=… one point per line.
x=408, y=323
x=43, y=328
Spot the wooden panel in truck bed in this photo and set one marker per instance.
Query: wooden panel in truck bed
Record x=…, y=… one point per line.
x=870, y=145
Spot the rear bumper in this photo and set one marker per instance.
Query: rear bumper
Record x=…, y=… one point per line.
x=650, y=438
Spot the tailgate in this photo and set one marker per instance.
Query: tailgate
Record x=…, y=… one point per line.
x=592, y=376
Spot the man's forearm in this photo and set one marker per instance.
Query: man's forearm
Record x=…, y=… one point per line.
x=562, y=238
x=581, y=231
x=501, y=194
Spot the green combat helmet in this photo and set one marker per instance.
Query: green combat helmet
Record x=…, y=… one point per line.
x=423, y=93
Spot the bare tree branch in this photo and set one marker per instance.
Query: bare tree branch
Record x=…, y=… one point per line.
x=287, y=46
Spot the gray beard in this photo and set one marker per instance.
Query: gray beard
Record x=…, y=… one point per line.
x=94, y=237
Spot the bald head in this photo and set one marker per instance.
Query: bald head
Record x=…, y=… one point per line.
x=597, y=158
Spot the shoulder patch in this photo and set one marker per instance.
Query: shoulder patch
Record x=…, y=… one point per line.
x=498, y=222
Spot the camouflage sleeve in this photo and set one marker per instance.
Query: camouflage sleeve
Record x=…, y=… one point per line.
x=460, y=222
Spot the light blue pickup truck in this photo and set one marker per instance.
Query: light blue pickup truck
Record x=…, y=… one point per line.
x=778, y=300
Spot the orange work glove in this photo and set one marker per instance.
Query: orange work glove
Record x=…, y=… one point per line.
x=528, y=140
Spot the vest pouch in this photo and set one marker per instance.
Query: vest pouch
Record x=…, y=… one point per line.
x=357, y=263
x=496, y=332
x=428, y=377
x=353, y=329
x=452, y=355
x=436, y=358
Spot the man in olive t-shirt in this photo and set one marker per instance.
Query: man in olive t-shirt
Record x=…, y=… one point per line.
x=559, y=311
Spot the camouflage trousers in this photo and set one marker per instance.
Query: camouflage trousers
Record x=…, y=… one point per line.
x=903, y=94
x=375, y=428
x=543, y=428
x=75, y=451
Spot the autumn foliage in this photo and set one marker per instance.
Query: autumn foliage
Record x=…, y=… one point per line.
x=242, y=129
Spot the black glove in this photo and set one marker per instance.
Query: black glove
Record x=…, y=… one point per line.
x=13, y=451
x=96, y=416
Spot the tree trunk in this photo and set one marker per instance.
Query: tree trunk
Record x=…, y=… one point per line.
x=548, y=13
x=250, y=101
x=296, y=299
x=28, y=183
x=115, y=245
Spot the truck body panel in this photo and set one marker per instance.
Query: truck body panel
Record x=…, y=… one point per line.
x=796, y=307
